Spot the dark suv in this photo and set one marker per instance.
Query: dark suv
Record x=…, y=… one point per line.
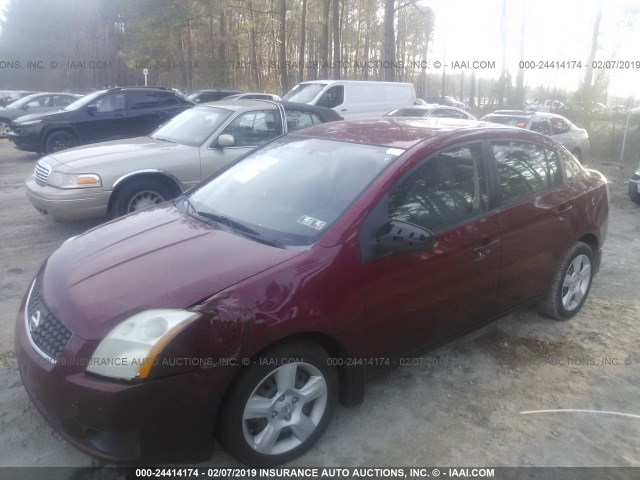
x=103, y=115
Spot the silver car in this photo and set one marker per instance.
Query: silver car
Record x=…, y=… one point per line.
x=560, y=129
x=441, y=111
x=123, y=176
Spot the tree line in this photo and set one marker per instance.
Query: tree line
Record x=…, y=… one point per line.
x=265, y=45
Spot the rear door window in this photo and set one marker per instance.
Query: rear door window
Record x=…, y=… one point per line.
x=524, y=168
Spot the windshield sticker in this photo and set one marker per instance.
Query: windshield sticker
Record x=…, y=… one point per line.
x=312, y=222
x=394, y=151
x=252, y=168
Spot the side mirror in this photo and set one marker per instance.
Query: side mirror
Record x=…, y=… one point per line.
x=399, y=236
x=91, y=109
x=226, y=140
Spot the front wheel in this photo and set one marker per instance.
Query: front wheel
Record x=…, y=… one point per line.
x=570, y=285
x=280, y=405
x=140, y=194
x=60, y=141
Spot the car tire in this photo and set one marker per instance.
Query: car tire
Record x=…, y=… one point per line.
x=138, y=195
x=60, y=140
x=294, y=391
x=634, y=195
x=4, y=128
x=571, y=284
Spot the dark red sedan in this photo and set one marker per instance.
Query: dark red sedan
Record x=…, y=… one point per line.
x=252, y=304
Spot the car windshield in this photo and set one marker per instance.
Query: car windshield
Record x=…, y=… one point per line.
x=304, y=92
x=84, y=101
x=192, y=127
x=290, y=191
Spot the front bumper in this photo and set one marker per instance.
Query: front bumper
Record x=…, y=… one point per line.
x=26, y=138
x=165, y=420
x=66, y=205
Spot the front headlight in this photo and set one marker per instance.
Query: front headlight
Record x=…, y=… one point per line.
x=130, y=349
x=29, y=122
x=74, y=180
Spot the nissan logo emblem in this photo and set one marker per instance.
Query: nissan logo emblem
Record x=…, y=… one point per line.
x=34, y=321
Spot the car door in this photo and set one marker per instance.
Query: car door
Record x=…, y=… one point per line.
x=415, y=299
x=104, y=119
x=143, y=112
x=536, y=217
x=250, y=129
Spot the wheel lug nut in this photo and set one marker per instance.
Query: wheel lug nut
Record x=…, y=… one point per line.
x=294, y=400
x=287, y=417
x=274, y=414
x=281, y=398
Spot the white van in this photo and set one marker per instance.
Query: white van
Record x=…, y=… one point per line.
x=354, y=98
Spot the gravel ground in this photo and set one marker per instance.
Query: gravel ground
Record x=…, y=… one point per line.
x=461, y=405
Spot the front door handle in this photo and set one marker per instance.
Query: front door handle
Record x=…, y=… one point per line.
x=485, y=248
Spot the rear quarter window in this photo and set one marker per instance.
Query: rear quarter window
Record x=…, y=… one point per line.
x=572, y=167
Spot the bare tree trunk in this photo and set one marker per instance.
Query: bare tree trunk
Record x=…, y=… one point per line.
x=303, y=39
x=282, y=50
x=222, y=54
x=253, y=53
x=324, y=40
x=503, y=43
x=389, y=40
x=588, y=75
x=520, y=94
x=336, y=39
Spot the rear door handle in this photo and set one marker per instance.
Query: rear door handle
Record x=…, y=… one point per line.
x=562, y=210
x=120, y=115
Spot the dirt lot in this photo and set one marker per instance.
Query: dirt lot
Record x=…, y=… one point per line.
x=461, y=405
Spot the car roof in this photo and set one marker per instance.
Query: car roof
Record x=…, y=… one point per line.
x=405, y=132
x=239, y=104
x=523, y=114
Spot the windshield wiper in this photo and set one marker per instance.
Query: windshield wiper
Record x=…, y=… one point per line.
x=162, y=139
x=238, y=227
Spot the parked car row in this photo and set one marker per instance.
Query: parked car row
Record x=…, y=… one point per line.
x=33, y=104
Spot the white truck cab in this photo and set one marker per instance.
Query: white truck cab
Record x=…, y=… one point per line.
x=354, y=98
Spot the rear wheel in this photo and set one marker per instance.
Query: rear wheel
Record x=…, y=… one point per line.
x=570, y=285
x=140, y=194
x=60, y=140
x=280, y=405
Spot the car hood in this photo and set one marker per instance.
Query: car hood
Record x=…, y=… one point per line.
x=47, y=116
x=157, y=258
x=128, y=150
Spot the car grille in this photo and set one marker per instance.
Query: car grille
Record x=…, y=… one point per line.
x=42, y=172
x=46, y=332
